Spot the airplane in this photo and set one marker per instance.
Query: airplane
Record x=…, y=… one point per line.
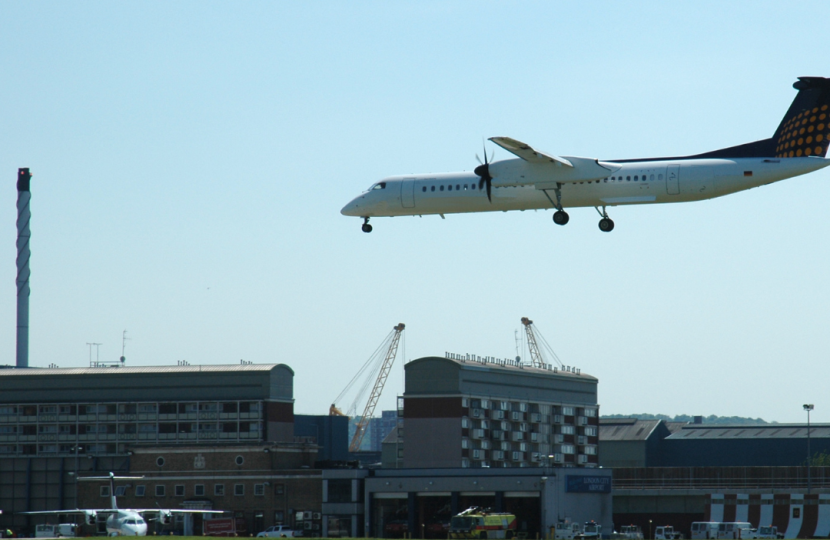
x=537, y=180
x=122, y=521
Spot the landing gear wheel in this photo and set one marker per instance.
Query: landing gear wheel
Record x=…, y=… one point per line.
x=366, y=228
x=560, y=217
x=606, y=225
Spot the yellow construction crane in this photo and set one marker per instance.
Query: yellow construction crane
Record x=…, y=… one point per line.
x=368, y=370
x=536, y=357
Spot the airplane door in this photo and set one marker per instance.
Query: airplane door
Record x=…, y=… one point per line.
x=408, y=193
x=673, y=179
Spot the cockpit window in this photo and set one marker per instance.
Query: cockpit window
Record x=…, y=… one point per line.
x=379, y=185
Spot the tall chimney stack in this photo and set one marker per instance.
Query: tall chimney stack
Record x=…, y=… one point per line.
x=23, y=235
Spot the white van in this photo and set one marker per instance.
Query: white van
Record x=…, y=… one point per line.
x=62, y=530
x=735, y=529
x=705, y=529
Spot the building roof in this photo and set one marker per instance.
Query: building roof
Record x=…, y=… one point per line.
x=392, y=437
x=675, y=426
x=126, y=370
x=498, y=365
x=151, y=383
x=763, y=431
x=435, y=375
x=626, y=429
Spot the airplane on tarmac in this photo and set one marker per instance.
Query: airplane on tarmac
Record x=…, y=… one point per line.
x=538, y=180
x=122, y=521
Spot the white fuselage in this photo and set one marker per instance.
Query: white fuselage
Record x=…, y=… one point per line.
x=519, y=185
x=126, y=523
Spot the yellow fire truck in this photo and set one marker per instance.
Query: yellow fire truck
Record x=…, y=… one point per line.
x=476, y=522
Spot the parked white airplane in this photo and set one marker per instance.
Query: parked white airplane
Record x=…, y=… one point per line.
x=537, y=180
x=126, y=521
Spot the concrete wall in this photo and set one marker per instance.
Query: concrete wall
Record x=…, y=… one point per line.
x=432, y=442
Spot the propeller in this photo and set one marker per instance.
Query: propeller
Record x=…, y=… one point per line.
x=483, y=171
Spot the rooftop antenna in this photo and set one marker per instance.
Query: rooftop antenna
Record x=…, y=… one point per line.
x=517, y=340
x=124, y=339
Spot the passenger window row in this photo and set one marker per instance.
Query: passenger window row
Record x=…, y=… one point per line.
x=458, y=187
x=637, y=178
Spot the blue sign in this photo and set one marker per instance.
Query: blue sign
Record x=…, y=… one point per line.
x=588, y=484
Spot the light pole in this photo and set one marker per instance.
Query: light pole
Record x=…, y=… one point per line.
x=76, y=448
x=650, y=530
x=808, y=407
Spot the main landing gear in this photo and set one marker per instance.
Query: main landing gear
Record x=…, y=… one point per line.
x=560, y=217
x=605, y=224
x=366, y=227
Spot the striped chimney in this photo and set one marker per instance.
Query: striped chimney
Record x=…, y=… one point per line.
x=23, y=235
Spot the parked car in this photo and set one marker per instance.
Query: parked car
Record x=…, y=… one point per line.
x=667, y=532
x=631, y=532
x=769, y=532
x=279, y=531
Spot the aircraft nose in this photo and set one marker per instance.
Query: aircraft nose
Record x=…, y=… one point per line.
x=351, y=209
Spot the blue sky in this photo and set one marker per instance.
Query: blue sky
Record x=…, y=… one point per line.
x=190, y=160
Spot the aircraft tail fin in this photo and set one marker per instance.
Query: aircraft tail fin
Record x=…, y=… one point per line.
x=112, y=478
x=806, y=126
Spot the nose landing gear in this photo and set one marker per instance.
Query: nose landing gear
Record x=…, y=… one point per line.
x=366, y=227
x=605, y=224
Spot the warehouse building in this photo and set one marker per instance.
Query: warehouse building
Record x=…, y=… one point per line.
x=465, y=412
x=58, y=424
x=630, y=442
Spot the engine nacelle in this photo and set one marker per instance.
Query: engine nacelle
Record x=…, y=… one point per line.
x=166, y=517
x=91, y=517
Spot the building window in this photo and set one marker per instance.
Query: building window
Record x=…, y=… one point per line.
x=591, y=450
x=279, y=489
x=218, y=489
x=160, y=461
x=568, y=411
x=279, y=517
x=240, y=460
x=339, y=490
x=568, y=430
x=159, y=491
x=259, y=490
x=105, y=491
x=239, y=490
x=179, y=490
x=567, y=449
x=199, y=490
x=120, y=491
x=139, y=491
x=591, y=431
x=590, y=412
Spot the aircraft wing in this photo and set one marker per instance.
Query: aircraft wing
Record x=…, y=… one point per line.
x=73, y=511
x=527, y=153
x=176, y=511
